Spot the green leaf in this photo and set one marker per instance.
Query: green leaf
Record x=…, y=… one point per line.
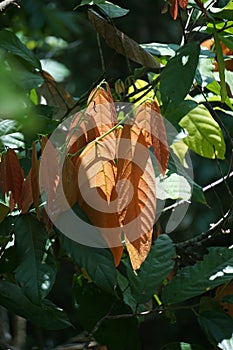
x=227, y=40
x=10, y=135
x=11, y=43
x=218, y=327
x=6, y=229
x=174, y=113
x=227, y=299
x=4, y=210
x=47, y=315
x=98, y=262
x=204, y=134
x=173, y=86
x=182, y=346
x=225, y=13
x=221, y=67
x=173, y=186
x=190, y=281
x=112, y=10
x=214, y=87
x=153, y=271
x=36, y=271
x=92, y=305
x=26, y=79
x=159, y=49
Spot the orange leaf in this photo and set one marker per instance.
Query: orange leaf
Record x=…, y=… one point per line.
x=35, y=179
x=136, y=193
x=183, y=4
x=15, y=177
x=174, y=9
x=150, y=121
x=49, y=174
x=82, y=130
x=27, y=198
x=102, y=109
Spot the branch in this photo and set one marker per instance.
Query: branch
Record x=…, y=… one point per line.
x=6, y=3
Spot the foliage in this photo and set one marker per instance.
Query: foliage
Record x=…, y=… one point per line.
x=89, y=181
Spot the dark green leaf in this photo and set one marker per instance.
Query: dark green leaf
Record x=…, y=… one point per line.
x=36, y=271
x=10, y=135
x=98, y=262
x=92, y=304
x=47, y=315
x=112, y=10
x=221, y=67
x=10, y=42
x=227, y=299
x=215, y=269
x=218, y=327
x=177, y=77
x=154, y=269
x=175, y=113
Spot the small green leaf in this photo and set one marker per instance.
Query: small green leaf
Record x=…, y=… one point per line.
x=10, y=42
x=173, y=86
x=201, y=277
x=204, y=134
x=112, y=10
x=36, y=271
x=215, y=87
x=159, y=49
x=47, y=315
x=218, y=327
x=153, y=271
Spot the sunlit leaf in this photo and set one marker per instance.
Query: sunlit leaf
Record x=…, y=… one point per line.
x=204, y=134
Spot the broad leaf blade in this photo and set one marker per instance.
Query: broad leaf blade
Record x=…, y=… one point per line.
x=98, y=262
x=36, y=271
x=47, y=315
x=173, y=86
x=10, y=42
x=120, y=42
x=153, y=270
x=203, y=276
x=204, y=134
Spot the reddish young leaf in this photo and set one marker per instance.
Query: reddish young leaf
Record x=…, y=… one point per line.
x=183, y=4
x=150, y=122
x=174, y=9
x=3, y=176
x=49, y=174
x=136, y=193
x=35, y=179
x=15, y=177
x=27, y=198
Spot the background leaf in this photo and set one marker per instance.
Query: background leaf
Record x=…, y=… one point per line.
x=36, y=270
x=154, y=269
x=203, y=276
x=47, y=315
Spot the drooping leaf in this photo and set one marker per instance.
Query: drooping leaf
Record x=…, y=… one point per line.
x=150, y=121
x=98, y=262
x=218, y=327
x=48, y=175
x=173, y=86
x=153, y=270
x=54, y=94
x=120, y=42
x=204, y=134
x=10, y=42
x=35, y=179
x=36, y=270
x=47, y=315
x=14, y=175
x=201, y=277
x=136, y=193
x=27, y=196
